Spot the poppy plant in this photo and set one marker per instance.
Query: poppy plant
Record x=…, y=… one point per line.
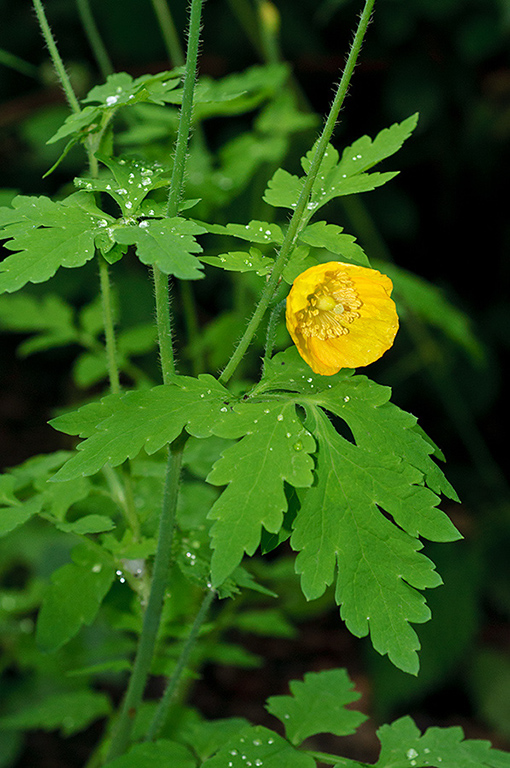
x=341, y=316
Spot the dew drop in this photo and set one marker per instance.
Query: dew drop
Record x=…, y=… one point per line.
x=411, y=753
x=298, y=446
x=346, y=399
x=280, y=417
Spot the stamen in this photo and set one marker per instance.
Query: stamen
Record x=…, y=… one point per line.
x=333, y=305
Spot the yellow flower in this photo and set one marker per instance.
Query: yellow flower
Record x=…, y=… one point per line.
x=341, y=316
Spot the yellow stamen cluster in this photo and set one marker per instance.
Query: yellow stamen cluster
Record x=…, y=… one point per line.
x=341, y=316
x=331, y=307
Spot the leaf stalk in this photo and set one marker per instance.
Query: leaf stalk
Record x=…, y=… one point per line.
x=300, y=215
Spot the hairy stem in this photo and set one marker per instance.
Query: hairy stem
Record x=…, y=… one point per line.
x=109, y=327
x=301, y=214
x=173, y=683
x=162, y=289
x=95, y=41
x=152, y=616
x=55, y=56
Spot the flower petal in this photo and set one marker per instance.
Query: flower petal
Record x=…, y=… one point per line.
x=365, y=318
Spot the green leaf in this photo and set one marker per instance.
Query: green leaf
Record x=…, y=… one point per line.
x=365, y=152
x=275, y=449
x=241, y=261
x=158, y=753
x=49, y=317
x=267, y=621
x=344, y=177
x=207, y=737
x=88, y=524
x=121, y=89
x=331, y=237
x=255, y=231
x=340, y=522
x=380, y=427
x=317, y=705
x=128, y=183
x=260, y=747
x=168, y=244
x=46, y=236
x=7, y=495
x=379, y=567
x=89, y=368
x=239, y=92
x=13, y=516
x=283, y=189
x=73, y=597
x=148, y=419
x=402, y=746
x=416, y=296
x=69, y=712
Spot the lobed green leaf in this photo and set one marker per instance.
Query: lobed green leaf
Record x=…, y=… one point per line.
x=403, y=746
x=70, y=712
x=258, y=746
x=317, y=705
x=48, y=235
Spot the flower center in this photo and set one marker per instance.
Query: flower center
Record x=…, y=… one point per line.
x=331, y=307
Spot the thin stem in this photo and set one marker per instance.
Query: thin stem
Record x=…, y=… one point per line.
x=247, y=19
x=164, y=323
x=269, y=28
x=8, y=59
x=161, y=286
x=168, y=32
x=271, y=330
x=152, y=616
x=184, y=129
x=109, y=329
x=191, y=320
x=96, y=43
x=299, y=216
x=173, y=683
x=55, y=56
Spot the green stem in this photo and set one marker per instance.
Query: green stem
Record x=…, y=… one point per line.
x=96, y=43
x=20, y=65
x=247, y=19
x=169, y=32
x=164, y=323
x=184, y=129
x=152, y=616
x=164, y=705
x=109, y=329
x=55, y=56
x=269, y=28
x=192, y=327
x=122, y=493
x=301, y=214
x=271, y=331
x=161, y=286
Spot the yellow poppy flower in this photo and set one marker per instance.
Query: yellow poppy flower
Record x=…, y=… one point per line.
x=341, y=316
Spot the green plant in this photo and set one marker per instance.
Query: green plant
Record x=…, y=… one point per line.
x=175, y=482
